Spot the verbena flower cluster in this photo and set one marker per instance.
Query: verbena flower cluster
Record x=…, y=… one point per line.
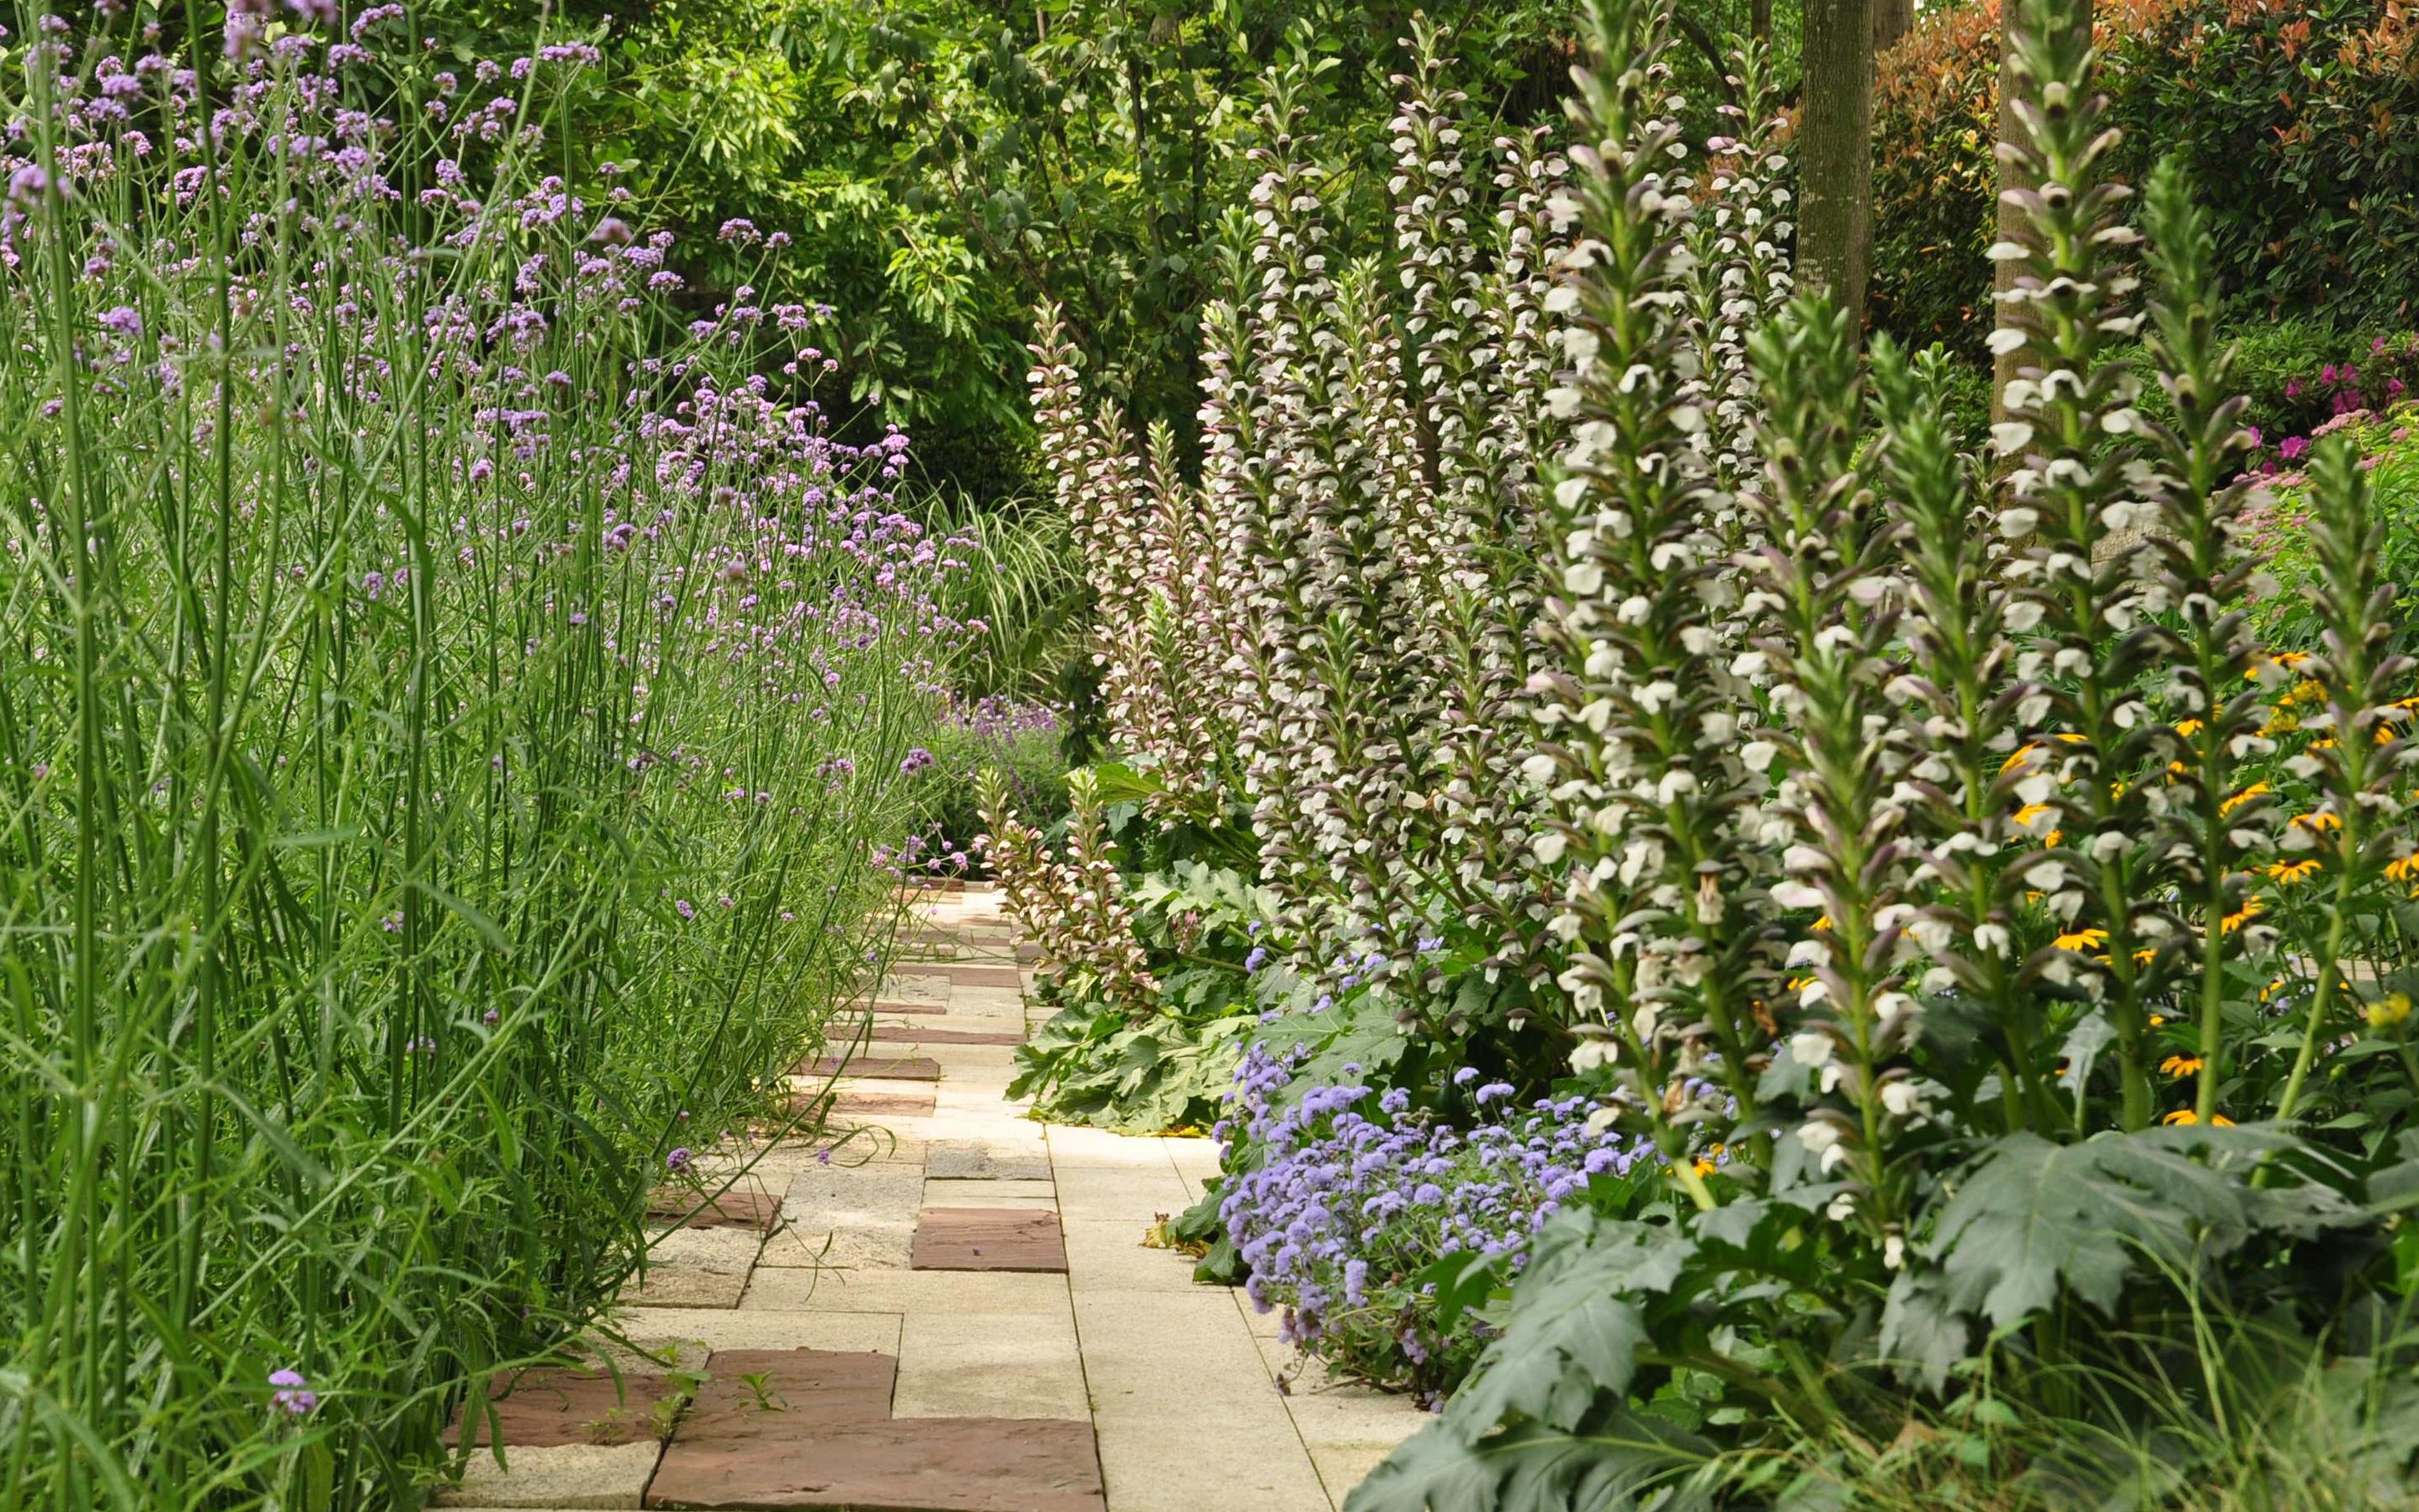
x=1357, y=1193
x=456, y=689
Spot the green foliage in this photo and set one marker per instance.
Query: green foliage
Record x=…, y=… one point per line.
x=1164, y=1064
x=1161, y=1072
x=2291, y=117
x=943, y=167
x=1018, y=743
x=386, y=663
x=1026, y=589
x=2386, y=446
x=1956, y=1156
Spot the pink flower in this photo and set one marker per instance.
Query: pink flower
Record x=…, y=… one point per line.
x=2292, y=446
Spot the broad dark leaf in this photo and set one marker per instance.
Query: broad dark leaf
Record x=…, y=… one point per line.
x=1629, y=1461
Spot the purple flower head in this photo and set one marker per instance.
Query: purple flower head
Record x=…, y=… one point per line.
x=293, y=1395
x=680, y=1159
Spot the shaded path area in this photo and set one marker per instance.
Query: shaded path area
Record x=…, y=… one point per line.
x=940, y=1306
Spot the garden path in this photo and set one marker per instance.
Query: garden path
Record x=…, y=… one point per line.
x=940, y=1304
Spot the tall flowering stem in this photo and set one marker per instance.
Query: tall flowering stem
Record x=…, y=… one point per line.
x=2201, y=585
x=2363, y=764
x=1075, y=904
x=1961, y=698
x=2073, y=502
x=1158, y=581
x=1640, y=718
x=1823, y=583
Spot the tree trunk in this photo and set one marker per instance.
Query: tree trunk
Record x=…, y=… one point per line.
x=1834, y=227
x=1893, y=20
x=1759, y=20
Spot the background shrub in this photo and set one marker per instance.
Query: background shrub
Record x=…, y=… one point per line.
x=2291, y=116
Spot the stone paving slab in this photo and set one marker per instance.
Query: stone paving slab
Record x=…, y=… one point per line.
x=1110, y=1255
x=854, y=1101
x=1349, y=1427
x=987, y=1239
x=686, y=1337
x=1238, y=1451
x=981, y=1192
x=559, y=1476
x=975, y=1160
x=1113, y=1385
x=803, y=1290
x=991, y=1365
x=695, y=1268
x=958, y=974
x=742, y=1207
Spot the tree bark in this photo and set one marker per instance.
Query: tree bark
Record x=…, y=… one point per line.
x=1893, y=20
x=1759, y=20
x=1834, y=227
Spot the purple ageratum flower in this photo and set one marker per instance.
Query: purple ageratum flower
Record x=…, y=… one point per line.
x=1258, y=958
x=1345, y=1196
x=680, y=1159
x=293, y=1395
x=1466, y=1076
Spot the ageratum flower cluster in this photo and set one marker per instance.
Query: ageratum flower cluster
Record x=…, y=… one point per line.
x=1353, y=1201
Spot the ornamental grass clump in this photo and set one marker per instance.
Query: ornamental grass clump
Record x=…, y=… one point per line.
x=451, y=692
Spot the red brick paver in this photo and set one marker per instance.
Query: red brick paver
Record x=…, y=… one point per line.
x=543, y=1408
x=988, y=1239
x=880, y=1067
x=734, y=1209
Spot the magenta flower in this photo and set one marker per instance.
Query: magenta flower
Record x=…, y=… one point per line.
x=2292, y=446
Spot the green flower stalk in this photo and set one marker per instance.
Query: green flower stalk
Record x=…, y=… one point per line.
x=1961, y=702
x=2364, y=763
x=1823, y=585
x=2214, y=821
x=1074, y=903
x=2073, y=502
x=1640, y=723
x=1153, y=567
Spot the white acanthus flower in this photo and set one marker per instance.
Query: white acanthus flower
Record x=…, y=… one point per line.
x=1811, y=1048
